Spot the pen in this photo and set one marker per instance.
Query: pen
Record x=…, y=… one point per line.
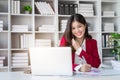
x=84, y=60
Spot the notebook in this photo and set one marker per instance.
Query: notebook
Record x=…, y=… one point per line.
x=51, y=61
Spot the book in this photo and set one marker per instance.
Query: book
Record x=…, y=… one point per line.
x=20, y=54
x=19, y=58
x=61, y=8
x=71, y=9
x=108, y=13
x=20, y=61
x=66, y=11
x=19, y=64
x=2, y=57
x=75, y=8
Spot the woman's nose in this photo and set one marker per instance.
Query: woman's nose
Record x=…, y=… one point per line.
x=76, y=30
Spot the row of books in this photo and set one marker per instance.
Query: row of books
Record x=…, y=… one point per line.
x=19, y=59
x=86, y=9
x=67, y=8
x=108, y=27
x=1, y=25
x=20, y=28
x=44, y=8
x=26, y=41
x=108, y=13
x=2, y=59
x=107, y=40
x=63, y=25
x=15, y=9
x=43, y=42
x=46, y=28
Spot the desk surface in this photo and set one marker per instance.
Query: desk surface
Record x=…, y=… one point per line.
x=22, y=76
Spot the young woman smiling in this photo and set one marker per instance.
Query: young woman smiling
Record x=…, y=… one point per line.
x=77, y=37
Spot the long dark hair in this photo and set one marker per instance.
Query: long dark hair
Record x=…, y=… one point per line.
x=68, y=31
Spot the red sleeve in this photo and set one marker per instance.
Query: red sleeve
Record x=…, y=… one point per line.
x=62, y=42
x=91, y=55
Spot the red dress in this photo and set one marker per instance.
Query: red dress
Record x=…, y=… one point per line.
x=91, y=53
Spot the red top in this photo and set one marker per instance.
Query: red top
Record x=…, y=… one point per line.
x=91, y=53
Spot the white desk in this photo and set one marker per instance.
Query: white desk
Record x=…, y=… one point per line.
x=22, y=76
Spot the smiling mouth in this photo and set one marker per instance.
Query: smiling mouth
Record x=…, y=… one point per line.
x=79, y=34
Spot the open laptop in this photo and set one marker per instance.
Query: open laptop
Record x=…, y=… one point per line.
x=51, y=61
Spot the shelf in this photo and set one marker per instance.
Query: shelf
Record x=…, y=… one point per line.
x=20, y=67
x=21, y=32
x=109, y=1
x=45, y=32
x=5, y=67
x=21, y=14
x=19, y=49
x=3, y=13
x=107, y=48
x=110, y=17
x=87, y=0
x=11, y=40
x=1, y=49
x=108, y=32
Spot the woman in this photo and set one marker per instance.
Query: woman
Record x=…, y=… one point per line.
x=77, y=37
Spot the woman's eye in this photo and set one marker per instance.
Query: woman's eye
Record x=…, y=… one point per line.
x=73, y=28
x=79, y=26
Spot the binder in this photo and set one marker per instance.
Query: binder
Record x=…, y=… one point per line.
x=76, y=8
x=61, y=9
x=66, y=9
x=71, y=9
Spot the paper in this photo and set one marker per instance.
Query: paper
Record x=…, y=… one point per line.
x=115, y=64
x=99, y=72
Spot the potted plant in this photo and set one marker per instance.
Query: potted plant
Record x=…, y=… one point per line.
x=27, y=8
x=116, y=49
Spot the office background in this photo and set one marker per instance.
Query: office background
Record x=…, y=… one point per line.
x=45, y=23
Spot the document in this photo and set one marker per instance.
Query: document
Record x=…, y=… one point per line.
x=98, y=72
x=115, y=64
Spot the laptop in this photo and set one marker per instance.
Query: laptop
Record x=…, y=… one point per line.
x=51, y=61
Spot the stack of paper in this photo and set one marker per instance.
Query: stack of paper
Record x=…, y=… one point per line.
x=2, y=58
x=63, y=25
x=108, y=13
x=46, y=28
x=86, y=9
x=108, y=27
x=19, y=59
x=43, y=42
x=115, y=64
x=20, y=28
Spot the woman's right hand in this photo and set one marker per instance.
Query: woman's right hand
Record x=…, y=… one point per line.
x=85, y=68
x=75, y=44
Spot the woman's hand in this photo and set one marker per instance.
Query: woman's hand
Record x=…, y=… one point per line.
x=85, y=68
x=75, y=44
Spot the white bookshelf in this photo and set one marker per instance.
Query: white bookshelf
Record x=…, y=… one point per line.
x=111, y=16
x=10, y=41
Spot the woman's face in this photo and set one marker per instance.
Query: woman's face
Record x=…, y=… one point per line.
x=78, y=29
